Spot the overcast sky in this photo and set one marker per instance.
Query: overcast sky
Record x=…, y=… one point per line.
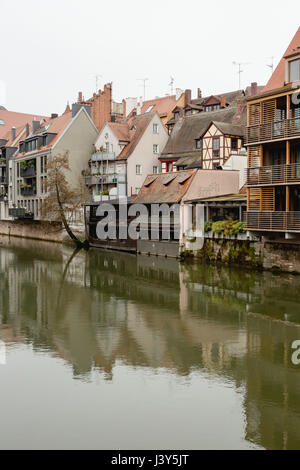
x=51, y=50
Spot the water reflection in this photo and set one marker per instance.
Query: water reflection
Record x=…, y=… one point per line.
x=101, y=309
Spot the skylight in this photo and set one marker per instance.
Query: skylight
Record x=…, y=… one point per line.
x=2, y=123
x=150, y=108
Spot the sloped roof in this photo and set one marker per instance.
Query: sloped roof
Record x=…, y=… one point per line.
x=54, y=126
x=163, y=191
x=121, y=130
x=161, y=105
x=190, y=128
x=277, y=80
x=12, y=119
x=230, y=129
x=141, y=122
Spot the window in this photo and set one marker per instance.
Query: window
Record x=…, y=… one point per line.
x=234, y=144
x=294, y=70
x=155, y=170
x=150, y=108
x=138, y=169
x=199, y=144
x=2, y=123
x=188, y=112
x=216, y=147
x=211, y=108
x=155, y=128
x=137, y=190
x=170, y=167
x=155, y=149
x=176, y=116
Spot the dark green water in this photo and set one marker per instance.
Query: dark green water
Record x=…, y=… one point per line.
x=111, y=351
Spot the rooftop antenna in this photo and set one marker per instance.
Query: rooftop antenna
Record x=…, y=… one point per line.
x=240, y=71
x=97, y=82
x=271, y=65
x=144, y=80
x=171, y=85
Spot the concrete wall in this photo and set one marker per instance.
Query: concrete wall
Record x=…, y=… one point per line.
x=211, y=183
x=158, y=248
x=143, y=155
x=79, y=140
x=111, y=139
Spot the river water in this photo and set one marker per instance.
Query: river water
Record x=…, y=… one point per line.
x=111, y=351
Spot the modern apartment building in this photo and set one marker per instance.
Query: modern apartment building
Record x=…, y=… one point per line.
x=273, y=141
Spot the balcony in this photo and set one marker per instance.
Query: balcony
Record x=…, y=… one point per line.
x=28, y=191
x=2, y=163
x=28, y=172
x=93, y=180
x=103, y=157
x=272, y=131
x=273, y=175
x=3, y=180
x=273, y=221
x=20, y=213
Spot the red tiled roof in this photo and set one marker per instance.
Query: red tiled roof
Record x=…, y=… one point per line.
x=120, y=130
x=278, y=78
x=12, y=119
x=163, y=106
x=56, y=126
x=141, y=123
x=167, y=188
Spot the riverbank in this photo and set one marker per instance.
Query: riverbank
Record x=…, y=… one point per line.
x=250, y=254
x=36, y=230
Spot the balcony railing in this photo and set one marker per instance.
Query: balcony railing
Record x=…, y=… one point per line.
x=26, y=192
x=273, y=221
x=28, y=172
x=104, y=179
x=271, y=131
x=103, y=156
x=272, y=175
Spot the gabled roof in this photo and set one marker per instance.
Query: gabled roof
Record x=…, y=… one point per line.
x=120, y=130
x=160, y=105
x=190, y=128
x=54, y=126
x=12, y=119
x=141, y=123
x=165, y=190
x=229, y=129
x=277, y=80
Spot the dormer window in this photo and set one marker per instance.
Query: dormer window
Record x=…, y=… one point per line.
x=176, y=116
x=294, y=70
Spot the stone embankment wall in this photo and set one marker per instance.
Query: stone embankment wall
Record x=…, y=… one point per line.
x=37, y=230
x=281, y=257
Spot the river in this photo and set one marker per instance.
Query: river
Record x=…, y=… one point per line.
x=107, y=350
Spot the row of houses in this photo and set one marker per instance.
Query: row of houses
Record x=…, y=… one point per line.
x=243, y=142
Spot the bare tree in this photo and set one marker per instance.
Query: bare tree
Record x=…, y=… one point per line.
x=62, y=200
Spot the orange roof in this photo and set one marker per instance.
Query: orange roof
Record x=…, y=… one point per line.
x=120, y=130
x=55, y=126
x=161, y=105
x=12, y=119
x=278, y=78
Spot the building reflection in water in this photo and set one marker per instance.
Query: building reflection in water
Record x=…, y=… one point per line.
x=106, y=308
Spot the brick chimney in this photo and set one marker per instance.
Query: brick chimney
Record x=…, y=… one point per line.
x=124, y=109
x=223, y=102
x=254, y=89
x=13, y=133
x=199, y=93
x=80, y=97
x=27, y=130
x=188, y=96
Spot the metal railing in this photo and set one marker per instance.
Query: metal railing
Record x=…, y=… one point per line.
x=28, y=172
x=273, y=174
x=275, y=130
x=103, y=156
x=273, y=221
x=26, y=192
